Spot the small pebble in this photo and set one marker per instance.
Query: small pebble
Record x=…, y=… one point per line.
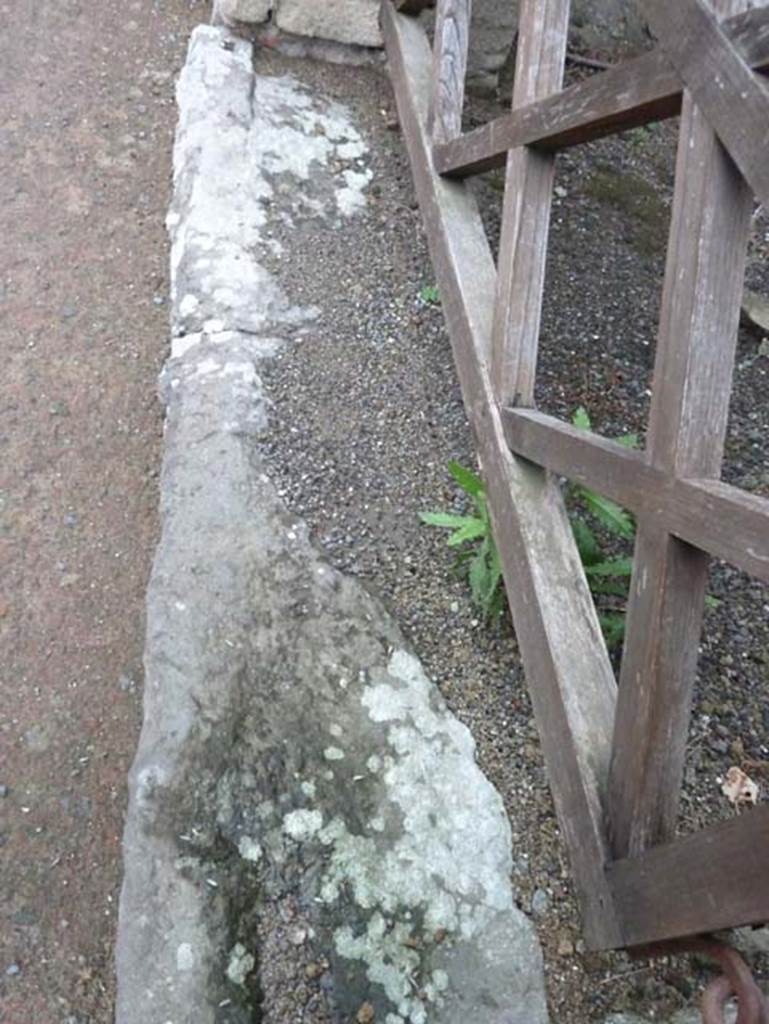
x=540, y=902
x=13, y=970
x=365, y=1014
x=3, y=791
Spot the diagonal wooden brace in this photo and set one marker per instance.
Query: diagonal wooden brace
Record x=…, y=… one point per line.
x=733, y=98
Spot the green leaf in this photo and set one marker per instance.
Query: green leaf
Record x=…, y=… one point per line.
x=467, y=480
x=609, y=513
x=497, y=603
x=430, y=294
x=614, y=567
x=479, y=563
x=712, y=602
x=613, y=627
x=486, y=580
x=479, y=574
x=446, y=519
x=581, y=419
x=628, y=440
x=587, y=545
x=472, y=529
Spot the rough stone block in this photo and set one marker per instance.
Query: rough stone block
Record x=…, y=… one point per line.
x=492, y=31
x=345, y=21
x=295, y=764
x=248, y=11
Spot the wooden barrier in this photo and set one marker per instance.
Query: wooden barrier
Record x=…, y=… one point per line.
x=614, y=754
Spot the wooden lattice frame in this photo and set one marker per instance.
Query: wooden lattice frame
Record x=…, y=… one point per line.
x=614, y=755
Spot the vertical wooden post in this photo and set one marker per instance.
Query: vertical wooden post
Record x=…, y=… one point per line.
x=690, y=404
x=452, y=38
x=542, y=33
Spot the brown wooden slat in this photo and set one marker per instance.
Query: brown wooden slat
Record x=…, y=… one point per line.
x=568, y=670
x=734, y=99
x=452, y=37
x=631, y=94
x=687, y=424
x=716, y=878
x=542, y=31
x=722, y=520
x=591, y=460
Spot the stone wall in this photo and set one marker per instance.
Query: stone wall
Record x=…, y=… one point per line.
x=598, y=26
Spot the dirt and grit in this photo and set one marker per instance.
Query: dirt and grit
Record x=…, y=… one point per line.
x=87, y=115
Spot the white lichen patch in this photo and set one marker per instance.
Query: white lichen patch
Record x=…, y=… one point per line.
x=252, y=152
x=333, y=754
x=188, y=305
x=240, y=964
x=351, y=197
x=393, y=964
x=300, y=133
x=185, y=957
x=302, y=825
x=447, y=859
x=249, y=849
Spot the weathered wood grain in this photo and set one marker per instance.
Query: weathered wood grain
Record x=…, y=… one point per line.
x=542, y=32
x=692, y=382
x=631, y=94
x=716, y=878
x=733, y=98
x=568, y=670
x=452, y=38
x=708, y=514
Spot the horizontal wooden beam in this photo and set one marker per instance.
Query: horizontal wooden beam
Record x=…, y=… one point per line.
x=723, y=520
x=715, y=878
x=568, y=671
x=626, y=96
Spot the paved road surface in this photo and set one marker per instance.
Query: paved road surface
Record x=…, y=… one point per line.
x=86, y=120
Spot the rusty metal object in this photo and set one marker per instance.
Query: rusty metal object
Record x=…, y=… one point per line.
x=736, y=980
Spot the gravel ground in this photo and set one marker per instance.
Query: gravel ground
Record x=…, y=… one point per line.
x=367, y=414
x=87, y=115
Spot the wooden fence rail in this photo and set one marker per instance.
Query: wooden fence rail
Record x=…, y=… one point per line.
x=614, y=753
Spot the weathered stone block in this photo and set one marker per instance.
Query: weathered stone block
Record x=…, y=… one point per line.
x=492, y=31
x=249, y=11
x=345, y=21
x=295, y=764
x=607, y=26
